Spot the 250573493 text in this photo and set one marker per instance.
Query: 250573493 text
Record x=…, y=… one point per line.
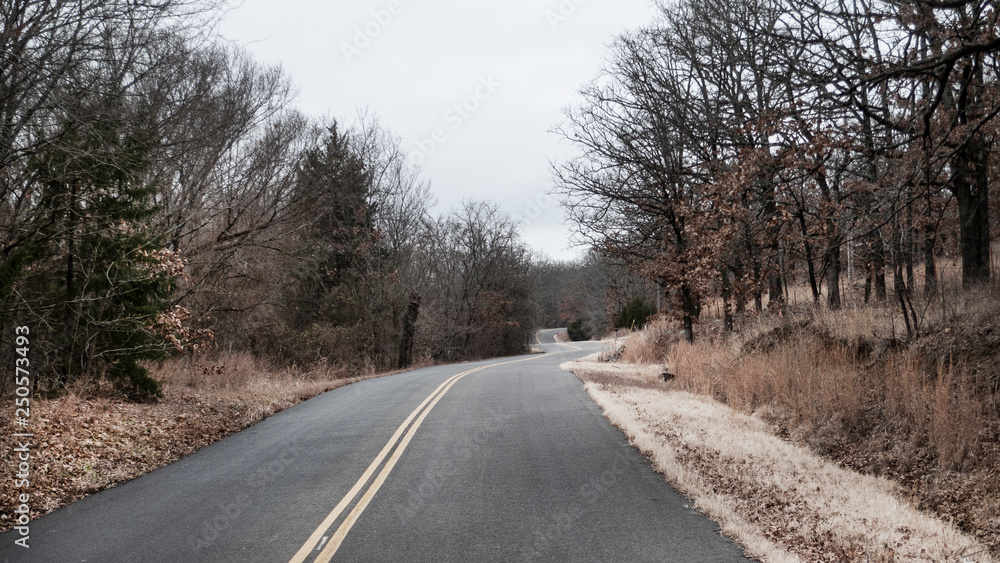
x=22, y=439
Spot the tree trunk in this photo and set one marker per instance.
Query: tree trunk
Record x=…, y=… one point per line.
x=810, y=266
x=783, y=265
x=930, y=267
x=758, y=298
x=69, y=324
x=775, y=293
x=833, y=275
x=727, y=310
x=901, y=292
x=811, y=269
x=971, y=189
x=909, y=246
x=868, y=285
x=409, y=332
x=878, y=265
x=833, y=240
x=691, y=311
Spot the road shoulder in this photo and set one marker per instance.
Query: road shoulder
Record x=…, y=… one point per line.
x=778, y=499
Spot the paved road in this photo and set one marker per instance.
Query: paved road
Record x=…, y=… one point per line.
x=549, y=337
x=504, y=460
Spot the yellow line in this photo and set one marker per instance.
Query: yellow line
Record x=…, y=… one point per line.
x=345, y=527
x=316, y=536
x=338, y=538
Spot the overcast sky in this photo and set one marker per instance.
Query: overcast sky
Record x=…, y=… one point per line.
x=472, y=88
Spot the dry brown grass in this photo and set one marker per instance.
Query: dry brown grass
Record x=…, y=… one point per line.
x=649, y=346
x=781, y=501
x=923, y=413
x=810, y=387
x=241, y=376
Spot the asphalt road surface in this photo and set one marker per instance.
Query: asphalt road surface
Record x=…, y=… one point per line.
x=502, y=460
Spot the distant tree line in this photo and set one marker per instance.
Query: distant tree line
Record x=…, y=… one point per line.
x=732, y=146
x=592, y=296
x=160, y=194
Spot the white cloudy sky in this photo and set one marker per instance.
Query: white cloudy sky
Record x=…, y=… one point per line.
x=513, y=64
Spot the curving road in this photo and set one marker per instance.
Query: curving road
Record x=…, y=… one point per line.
x=502, y=460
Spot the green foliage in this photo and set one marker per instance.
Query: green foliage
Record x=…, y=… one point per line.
x=635, y=314
x=578, y=331
x=94, y=271
x=330, y=300
x=334, y=186
x=134, y=381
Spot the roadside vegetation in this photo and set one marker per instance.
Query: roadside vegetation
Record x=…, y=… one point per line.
x=792, y=195
x=805, y=184
x=185, y=252
x=776, y=498
x=160, y=194
x=922, y=413
x=89, y=439
x=731, y=152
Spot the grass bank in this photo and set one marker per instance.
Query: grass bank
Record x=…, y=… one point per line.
x=915, y=420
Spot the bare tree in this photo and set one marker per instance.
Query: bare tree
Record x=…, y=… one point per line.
x=75, y=152
x=733, y=139
x=478, y=290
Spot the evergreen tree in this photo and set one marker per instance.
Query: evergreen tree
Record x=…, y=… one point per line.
x=330, y=301
x=101, y=277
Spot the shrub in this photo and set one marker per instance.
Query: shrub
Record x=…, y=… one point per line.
x=578, y=331
x=635, y=314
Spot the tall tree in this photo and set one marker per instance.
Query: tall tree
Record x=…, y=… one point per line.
x=99, y=279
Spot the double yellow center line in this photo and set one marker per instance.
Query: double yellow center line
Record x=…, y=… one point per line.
x=400, y=439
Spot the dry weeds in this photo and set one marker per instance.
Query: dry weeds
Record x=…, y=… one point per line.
x=779, y=500
x=923, y=413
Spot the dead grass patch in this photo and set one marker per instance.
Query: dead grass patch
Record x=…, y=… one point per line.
x=781, y=501
x=922, y=413
x=650, y=346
